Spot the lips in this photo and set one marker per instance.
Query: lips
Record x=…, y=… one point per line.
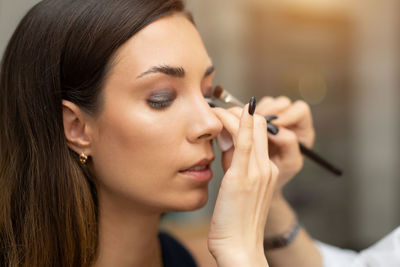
x=200, y=172
x=199, y=166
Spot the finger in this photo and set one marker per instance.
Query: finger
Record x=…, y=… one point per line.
x=269, y=188
x=271, y=106
x=274, y=173
x=286, y=154
x=228, y=120
x=236, y=111
x=286, y=142
x=260, y=141
x=298, y=113
x=259, y=157
x=244, y=142
x=264, y=104
x=260, y=147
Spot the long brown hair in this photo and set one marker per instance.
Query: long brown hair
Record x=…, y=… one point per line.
x=62, y=49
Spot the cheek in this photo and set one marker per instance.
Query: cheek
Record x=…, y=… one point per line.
x=136, y=151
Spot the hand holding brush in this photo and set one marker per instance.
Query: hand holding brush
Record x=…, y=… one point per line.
x=281, y=105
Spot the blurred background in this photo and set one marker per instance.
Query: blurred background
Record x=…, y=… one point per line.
x=340, y=56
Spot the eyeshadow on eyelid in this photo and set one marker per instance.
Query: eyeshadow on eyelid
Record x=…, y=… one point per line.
x=163, y=94
x=165, y=91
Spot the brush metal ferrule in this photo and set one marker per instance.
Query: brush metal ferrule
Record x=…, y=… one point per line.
x=230, y=100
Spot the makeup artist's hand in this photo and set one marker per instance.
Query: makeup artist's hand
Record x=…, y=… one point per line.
x=237, y=225
x=295, y=125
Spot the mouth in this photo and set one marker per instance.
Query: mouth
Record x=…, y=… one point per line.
x=198, y=168
x=200, y=171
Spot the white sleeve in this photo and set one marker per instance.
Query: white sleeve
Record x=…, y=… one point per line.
x=385, y=253
x=336, y=257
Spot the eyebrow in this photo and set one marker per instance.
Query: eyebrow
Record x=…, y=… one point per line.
x=178, y=72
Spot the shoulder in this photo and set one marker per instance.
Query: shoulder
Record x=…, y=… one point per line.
x=174, y=253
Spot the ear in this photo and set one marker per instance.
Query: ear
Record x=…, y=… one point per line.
x=76, y=128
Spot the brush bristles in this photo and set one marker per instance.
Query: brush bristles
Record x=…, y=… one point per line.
x=226, y=97
x=218, y=90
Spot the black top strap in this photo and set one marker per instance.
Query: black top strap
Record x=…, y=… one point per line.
x=173, y=253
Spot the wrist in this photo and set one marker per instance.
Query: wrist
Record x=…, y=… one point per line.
x=283, y=239
x=242, y=258
x=281, y=217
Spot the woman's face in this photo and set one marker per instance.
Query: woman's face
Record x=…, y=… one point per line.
x=155, y=123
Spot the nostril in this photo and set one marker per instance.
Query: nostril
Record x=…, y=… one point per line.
x=205, y=136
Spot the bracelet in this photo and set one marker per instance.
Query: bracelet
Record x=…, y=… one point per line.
x=282, y=240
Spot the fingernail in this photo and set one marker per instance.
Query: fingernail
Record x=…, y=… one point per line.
x=272, y=129
x=270, y=118
x=252, y=105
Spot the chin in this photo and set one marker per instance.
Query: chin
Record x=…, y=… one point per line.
x=191, y=201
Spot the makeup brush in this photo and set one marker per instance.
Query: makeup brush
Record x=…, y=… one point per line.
x=224, y=96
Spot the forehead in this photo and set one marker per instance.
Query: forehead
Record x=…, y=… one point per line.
x=171, y=40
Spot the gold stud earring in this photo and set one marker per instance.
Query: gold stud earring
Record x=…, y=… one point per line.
x=83, y=158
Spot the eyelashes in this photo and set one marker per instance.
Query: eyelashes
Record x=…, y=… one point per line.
x=159, y=105
x=164, y=98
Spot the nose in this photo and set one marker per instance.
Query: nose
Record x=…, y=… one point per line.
x=204, y=125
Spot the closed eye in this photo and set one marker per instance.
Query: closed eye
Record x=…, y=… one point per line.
x=162, y=99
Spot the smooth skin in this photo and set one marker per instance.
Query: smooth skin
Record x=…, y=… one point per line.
x=153, y=125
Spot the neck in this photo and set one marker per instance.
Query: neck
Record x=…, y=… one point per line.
x=127, y=235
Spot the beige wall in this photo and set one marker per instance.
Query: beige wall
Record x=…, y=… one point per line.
x=11, y=11
x=375, y=116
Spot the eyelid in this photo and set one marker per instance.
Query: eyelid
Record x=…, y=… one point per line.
x=165, y=92
x=161, y=98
